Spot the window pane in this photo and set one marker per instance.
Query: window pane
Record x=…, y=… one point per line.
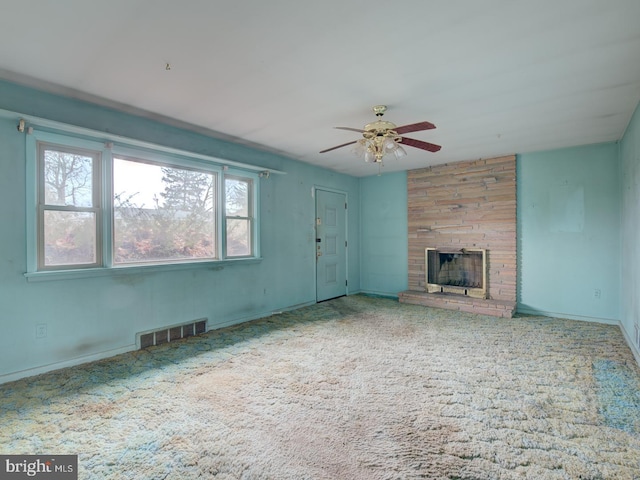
x=237, y=197
x=68, y=178
x=238, y=237
x=69, y=238
x=162, y=213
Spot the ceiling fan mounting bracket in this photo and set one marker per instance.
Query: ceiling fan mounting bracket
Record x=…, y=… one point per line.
x=379, y=110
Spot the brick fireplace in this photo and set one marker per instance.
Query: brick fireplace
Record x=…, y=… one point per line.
x=455, y=211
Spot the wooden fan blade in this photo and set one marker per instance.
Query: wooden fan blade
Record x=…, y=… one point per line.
x=338, y=146
x=430, y=147
x=415, y=127
x=350, y=129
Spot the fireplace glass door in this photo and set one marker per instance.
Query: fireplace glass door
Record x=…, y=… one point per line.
x=461, y=272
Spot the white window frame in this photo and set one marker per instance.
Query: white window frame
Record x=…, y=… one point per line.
x=95, y=208
x=164, y=161
x=106, y=150
x=251, y=214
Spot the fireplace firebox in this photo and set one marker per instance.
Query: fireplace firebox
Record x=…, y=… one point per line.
x=461, y=272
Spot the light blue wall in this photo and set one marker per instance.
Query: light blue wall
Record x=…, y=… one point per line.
x=383, y=210
x=569, y=241
x=95, y=317
x=630, y=159
x=569, y=232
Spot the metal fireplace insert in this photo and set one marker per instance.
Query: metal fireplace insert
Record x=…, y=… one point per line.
x=462, y=271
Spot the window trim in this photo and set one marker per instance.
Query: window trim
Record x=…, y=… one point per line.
x=175, y=165
x=251, y=214
x=43, y=206
x=106, y=151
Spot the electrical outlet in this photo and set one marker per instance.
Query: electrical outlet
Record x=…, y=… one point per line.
x=597, y=293
x=41, y=330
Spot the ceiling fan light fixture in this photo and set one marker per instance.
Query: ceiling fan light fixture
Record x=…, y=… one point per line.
x=359, y=148
x=399, y=152
x=369, y=156
x=390, y=144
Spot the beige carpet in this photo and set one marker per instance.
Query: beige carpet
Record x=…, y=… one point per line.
x=357, y=388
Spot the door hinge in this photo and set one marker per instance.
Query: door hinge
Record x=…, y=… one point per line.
x=345, y=205
x=346, y=283
x=345, y=244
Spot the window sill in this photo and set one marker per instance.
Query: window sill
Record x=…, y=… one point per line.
x=135, y=270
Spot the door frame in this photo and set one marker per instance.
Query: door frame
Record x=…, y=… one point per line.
x=315, y=233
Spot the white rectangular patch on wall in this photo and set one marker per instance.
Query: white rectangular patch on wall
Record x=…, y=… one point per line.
x=566, y=208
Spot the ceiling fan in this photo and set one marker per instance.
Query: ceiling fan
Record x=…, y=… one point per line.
x=382, y=137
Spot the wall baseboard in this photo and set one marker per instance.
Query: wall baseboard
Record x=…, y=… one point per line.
x=568, y=316
x=374, y=293
x=627, y=336
x=629, y=339
x=74, y=362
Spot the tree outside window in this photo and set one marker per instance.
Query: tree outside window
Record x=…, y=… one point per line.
x=178, y=224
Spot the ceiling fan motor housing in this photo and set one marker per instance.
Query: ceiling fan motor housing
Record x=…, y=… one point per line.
x=379, y=126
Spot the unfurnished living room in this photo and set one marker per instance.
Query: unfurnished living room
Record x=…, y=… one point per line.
x=320, y=240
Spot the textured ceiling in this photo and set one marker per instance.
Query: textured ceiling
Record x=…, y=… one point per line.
x=495, y=76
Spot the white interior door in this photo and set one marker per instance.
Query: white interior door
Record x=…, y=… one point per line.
x=331, y=245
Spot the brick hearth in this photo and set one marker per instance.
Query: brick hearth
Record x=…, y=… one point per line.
x=496, y=308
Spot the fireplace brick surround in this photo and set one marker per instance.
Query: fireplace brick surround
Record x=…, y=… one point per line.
x=465, y=205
